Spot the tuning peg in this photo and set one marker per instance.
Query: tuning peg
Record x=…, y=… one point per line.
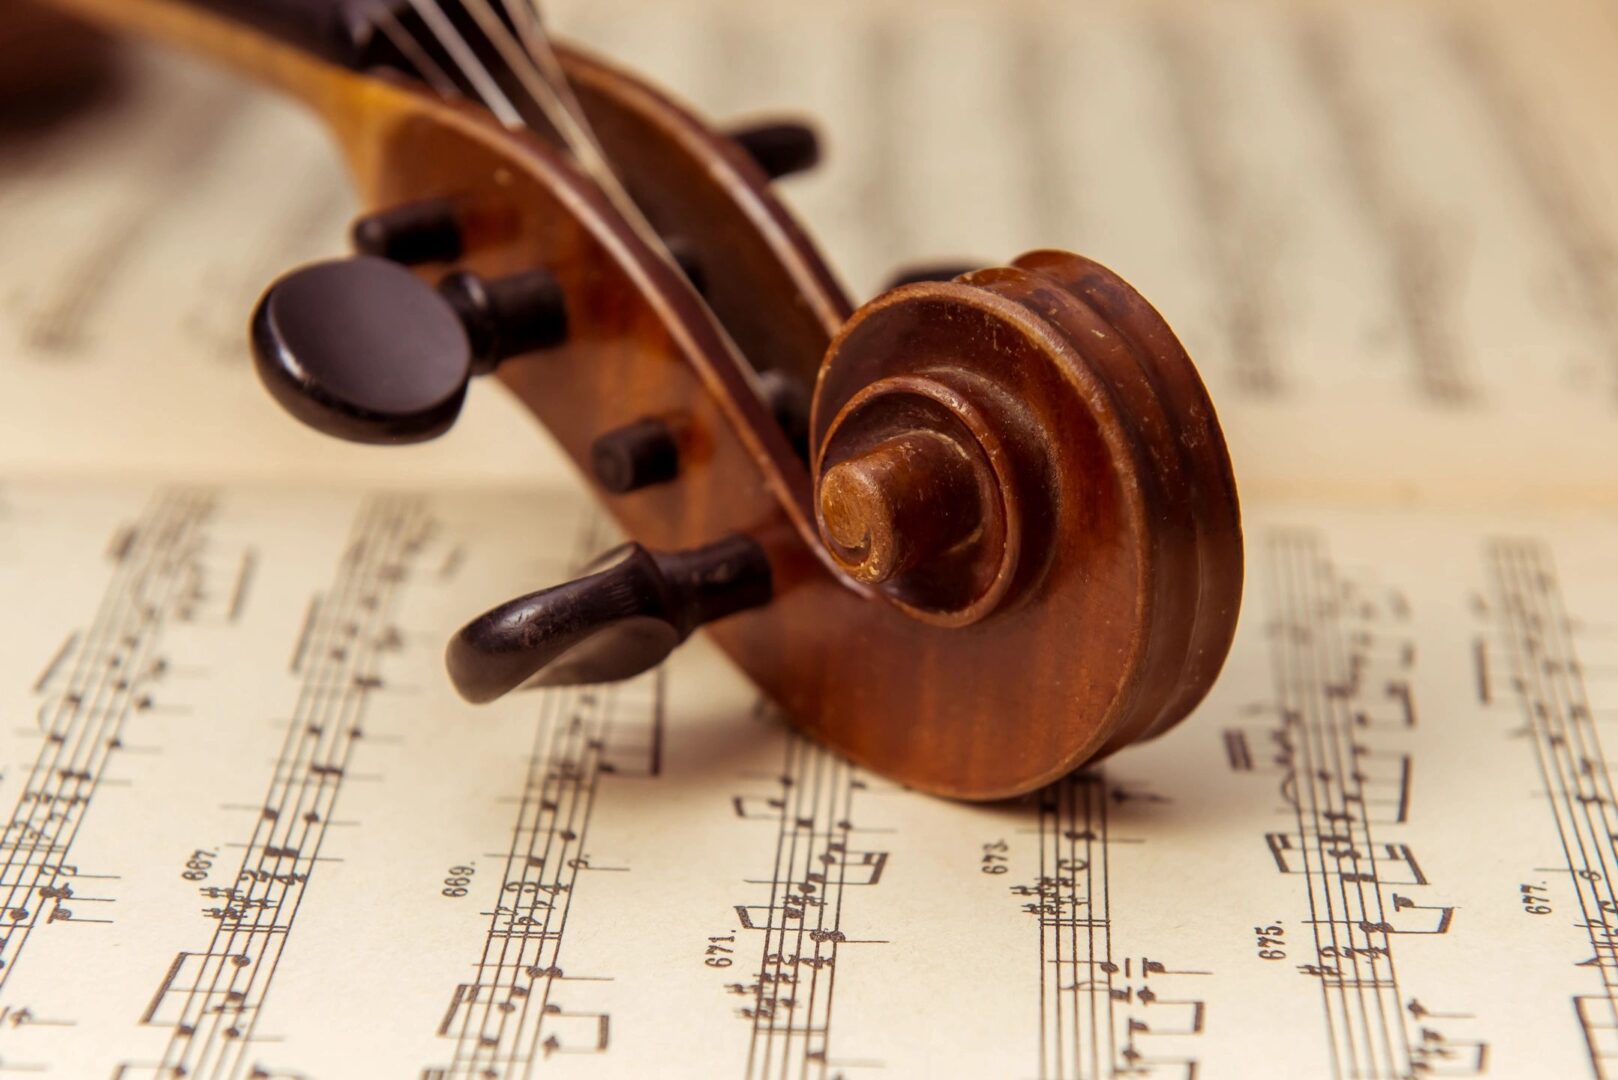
x=428, y=231
x=613, y=624
x=790, y=401
x=636, y=456
x=507, y=316
x=364, y=350
x=684, y=254
x=914, y=275
x=780, y=149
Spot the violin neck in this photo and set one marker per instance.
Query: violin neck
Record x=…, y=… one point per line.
x=341, y=32
x=308, y=49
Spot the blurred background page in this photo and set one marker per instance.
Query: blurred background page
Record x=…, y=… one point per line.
x=1385, y=232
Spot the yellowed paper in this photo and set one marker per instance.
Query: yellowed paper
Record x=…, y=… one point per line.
x=1386, y=232
x=251, y=829
x=252, y=833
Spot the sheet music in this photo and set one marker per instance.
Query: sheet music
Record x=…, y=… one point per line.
x=252, y=833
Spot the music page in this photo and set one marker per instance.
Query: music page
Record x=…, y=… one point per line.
x=1387, y=233
x=250, y=832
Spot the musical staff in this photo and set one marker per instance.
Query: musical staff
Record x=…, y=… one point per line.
x=211, y=1000
x=516, y=1014
x=1530, y=664
x=1099, y=1016
x=1398, y=212
x=1343, y=668
x=820, y=863
x=636, y=911
x=102, y=679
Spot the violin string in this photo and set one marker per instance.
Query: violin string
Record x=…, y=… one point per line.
x=558, y=109
x=538, y=71
x=466, y=59
x=569, y=114
x=537, y=68
x=536, y=90
x=411, y=49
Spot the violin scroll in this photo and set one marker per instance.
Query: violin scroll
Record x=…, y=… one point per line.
x=1033, y=438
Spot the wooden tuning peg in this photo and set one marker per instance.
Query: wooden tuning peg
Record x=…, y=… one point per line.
x=414, y=233
x=780, y=149
x=920, y=272
x=365, y=350
x=617, y=622
x=636, y=456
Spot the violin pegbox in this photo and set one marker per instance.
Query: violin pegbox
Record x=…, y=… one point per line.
x=1020, y=485
x=360, y=349
x=971, y=535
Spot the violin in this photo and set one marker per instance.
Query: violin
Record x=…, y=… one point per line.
x=972, y=534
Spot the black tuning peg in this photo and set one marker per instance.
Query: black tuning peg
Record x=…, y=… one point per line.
x=636, y=456
x=790, y=400
x=613, y=624
x=428, y=231
x=684, y=254
x=780, y=149
x=364, y=350
x=912, y=275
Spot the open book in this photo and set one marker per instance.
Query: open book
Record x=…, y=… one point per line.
x=252, y=832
